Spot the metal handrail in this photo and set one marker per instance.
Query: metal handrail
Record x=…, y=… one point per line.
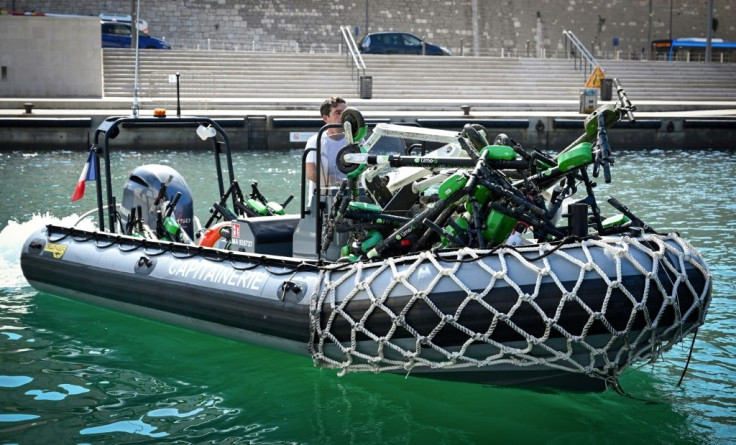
x=358, y=63
x=579, y=45
x=583, y=51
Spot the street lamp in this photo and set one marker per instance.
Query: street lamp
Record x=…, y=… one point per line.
x=710, y=32
x=671, y=20
x=649, y=43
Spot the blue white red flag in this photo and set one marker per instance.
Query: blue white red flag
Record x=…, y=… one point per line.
x=89, y=173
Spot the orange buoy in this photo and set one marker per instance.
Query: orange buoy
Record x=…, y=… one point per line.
x=213, y=234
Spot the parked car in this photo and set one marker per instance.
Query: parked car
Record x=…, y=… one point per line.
x=118, y=35
x=399, y=43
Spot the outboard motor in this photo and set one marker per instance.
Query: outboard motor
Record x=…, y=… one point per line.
x=143, y=189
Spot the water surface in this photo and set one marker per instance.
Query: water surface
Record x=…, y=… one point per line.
x=74, y=373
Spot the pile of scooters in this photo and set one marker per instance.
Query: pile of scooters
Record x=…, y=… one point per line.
x=489, y=195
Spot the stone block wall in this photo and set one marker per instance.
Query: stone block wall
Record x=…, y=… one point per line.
x=518, y=26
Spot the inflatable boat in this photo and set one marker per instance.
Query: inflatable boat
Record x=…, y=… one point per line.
x=454, y=259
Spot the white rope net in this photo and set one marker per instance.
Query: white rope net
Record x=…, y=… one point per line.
x=513, y=308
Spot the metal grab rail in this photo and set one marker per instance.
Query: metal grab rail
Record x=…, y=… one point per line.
x=584, y=53
x=579, y=45
x=358, y=63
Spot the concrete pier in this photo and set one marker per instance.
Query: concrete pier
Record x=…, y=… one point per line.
x=45, y=129
x=271, y=101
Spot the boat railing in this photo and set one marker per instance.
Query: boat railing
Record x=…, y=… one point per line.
x=353, y=58
x=587, y=61
x=109, y=129
x=306, y=199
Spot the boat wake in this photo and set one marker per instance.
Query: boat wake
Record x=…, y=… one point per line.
x=11, y=243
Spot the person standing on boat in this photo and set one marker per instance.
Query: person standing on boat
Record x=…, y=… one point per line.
x=333, y=140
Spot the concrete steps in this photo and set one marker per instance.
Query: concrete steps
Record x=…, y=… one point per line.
x=230, y=80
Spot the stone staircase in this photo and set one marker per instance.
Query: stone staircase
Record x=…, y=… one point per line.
x=675, y=81
x=227, y=75
x=298, y=81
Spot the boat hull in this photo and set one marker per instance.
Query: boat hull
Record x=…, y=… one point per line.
x=572, y=316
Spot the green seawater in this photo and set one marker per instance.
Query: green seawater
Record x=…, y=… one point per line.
x=74, y=373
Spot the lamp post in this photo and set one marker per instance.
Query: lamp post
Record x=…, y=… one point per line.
x=476, y=36
x=709, y=39
x=649, y=42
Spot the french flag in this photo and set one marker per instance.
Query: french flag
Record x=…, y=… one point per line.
x=89, y=173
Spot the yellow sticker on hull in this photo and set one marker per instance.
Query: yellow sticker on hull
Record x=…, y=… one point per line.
x=57, y=250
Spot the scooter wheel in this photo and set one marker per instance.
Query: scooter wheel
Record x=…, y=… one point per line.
x=357, y=123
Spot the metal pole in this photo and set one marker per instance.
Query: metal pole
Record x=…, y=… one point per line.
x=709, y=40
x=366, y=18
x=476, y=37
x=649, y=41
x=671, y=20
x=134, y=28
x=539, y=35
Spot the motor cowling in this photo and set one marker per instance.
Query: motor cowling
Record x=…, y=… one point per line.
x=142, y=189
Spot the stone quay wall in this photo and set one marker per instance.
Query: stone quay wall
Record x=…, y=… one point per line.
x=516, y=27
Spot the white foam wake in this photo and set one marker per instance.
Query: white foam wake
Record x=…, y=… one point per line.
x=12, y=238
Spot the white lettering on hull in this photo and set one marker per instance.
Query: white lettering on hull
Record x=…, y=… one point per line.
x=211, y=273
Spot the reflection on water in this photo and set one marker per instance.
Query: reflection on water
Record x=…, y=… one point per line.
x=72, y=371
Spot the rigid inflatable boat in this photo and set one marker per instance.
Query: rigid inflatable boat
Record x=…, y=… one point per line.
x=454, y=259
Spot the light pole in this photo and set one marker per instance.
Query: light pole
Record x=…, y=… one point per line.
x=709, y=38
x=476, y=36
x=671, y=20
x=649, y=42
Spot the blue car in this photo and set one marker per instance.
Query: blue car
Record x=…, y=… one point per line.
x=118, y=35
x=399, y=43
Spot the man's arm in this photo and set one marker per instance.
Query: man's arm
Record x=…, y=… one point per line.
x=310, y=166
x=310, y=170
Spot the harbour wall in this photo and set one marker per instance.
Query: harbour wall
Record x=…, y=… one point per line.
x=275, y=132
x=516, y=26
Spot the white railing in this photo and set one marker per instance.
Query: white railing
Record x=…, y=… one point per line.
x=587, y=61
x=354, y=58
x=459, y=50
x=283, y=46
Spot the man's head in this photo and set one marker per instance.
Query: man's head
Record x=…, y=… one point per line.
x=331, y=111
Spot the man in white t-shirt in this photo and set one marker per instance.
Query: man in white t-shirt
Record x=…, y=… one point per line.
x=333, y=140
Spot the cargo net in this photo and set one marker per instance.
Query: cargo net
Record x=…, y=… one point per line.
x=356, y=324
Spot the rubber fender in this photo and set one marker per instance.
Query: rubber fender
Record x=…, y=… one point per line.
x=213, y=234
